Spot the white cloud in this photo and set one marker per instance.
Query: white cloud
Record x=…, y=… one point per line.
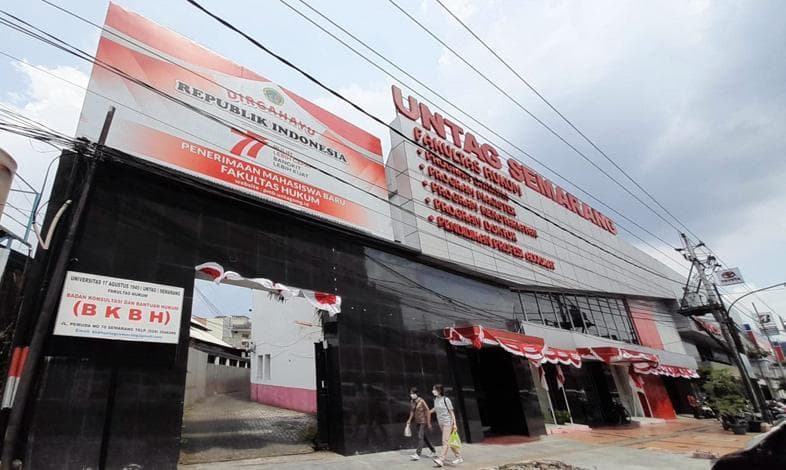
x=52, y=102
x=375, y=99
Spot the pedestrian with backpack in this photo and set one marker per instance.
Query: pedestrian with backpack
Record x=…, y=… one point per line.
x=446, y=418
x=420, y=413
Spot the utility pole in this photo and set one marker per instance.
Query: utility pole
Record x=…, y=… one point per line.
x=769, y=340
x=721, y=316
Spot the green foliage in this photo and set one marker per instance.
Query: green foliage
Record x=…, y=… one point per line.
x=562, y=416
x=724, y=392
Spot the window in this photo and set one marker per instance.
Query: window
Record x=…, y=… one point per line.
x=267, y=366
x=590, y=323
x=548, y=311
x=599, y=316
x=260, y=367
x=531, y=311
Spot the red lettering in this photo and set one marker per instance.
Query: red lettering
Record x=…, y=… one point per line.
x=491, y=156
x=574, y=204
x=413, y=112
x=455, y=132
x=433, y=122
x=112, y=312
x=156, y=316
x=545, y=187
x=88, y=310
x=471, y=146
x=134, y=314
x=562, y=198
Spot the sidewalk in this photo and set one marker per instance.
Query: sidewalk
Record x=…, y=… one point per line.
x=657, y=446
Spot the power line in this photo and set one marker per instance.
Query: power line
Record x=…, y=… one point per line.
x=562, y=116
x=223, y=86
x=92, y=59
x=378, y=120
x=553, y=108
x=469, y=116
x=529, y=113
x=493, y=254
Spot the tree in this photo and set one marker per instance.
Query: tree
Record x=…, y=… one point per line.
x=724, y=392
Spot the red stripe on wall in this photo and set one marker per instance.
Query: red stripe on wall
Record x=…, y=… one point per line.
x=658, y=397
x=646, y=326
x=291, y=398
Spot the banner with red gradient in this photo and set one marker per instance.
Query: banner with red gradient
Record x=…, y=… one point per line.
x=187, y=108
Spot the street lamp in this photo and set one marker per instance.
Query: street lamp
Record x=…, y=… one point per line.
x=780, y=284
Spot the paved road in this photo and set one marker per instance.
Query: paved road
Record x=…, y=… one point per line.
x=589, y=456
x=231, y=427
x=657, y=446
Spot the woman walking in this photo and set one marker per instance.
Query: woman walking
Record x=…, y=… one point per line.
x=419, y=411
x=446, y=418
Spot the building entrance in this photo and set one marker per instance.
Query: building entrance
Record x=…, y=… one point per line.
x=250, y=377
x=498, y=392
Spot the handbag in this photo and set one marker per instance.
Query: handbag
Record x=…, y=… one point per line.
x=455, y=441
x=407, y=431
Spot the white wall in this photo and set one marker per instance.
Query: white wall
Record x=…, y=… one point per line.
x=204, y=380
x=287, y=332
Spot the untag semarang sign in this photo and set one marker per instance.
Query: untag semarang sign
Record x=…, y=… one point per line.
x=184, y=107
x=103, y=307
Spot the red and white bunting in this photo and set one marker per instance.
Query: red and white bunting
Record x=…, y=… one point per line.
x=320, y=300
x=635, y=379
x=666, y=370
x=560, y=377
x=542, y=376
x=214, y=270
x=615, y=355
x=568, y=357
x=514, y=343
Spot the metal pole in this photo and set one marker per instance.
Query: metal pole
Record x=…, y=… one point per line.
x=721, y=315
x=726, y=323
x=769, y=340
x=44, y=322
x=565, y=396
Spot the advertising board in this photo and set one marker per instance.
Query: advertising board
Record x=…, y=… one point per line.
x=118, y=309
x=730, y=277
x=455, y=197
x=184, y=107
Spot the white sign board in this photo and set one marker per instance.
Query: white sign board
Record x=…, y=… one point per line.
x=249, y=135
x=121, y=309
x=768, y=325
x=730, y=277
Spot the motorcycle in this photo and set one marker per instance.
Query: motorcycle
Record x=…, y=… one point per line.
x=701, y=410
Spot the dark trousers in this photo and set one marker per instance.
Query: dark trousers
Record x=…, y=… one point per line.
x=423, y=438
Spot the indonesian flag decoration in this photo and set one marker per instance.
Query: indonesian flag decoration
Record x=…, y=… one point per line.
x=635, y=379
x=323, y=301
x=320, y=300
x=214, y=270
x=542, y=376
x=560, y=377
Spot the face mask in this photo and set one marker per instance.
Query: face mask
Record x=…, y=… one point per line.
x=436, y=393
x=412, y=396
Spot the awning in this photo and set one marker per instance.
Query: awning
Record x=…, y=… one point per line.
x=668, y=371
x=615, y=355
x=320, y=300
x=568, y=357
x=476, y=336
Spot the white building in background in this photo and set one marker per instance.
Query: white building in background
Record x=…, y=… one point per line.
x=283, y=370
x=232, y=329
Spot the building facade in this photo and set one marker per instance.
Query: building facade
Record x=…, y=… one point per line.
x=453, y=266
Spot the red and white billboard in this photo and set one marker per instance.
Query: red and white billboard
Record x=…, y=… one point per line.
x=252, y=135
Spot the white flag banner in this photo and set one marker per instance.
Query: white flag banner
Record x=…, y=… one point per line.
x=729, y=277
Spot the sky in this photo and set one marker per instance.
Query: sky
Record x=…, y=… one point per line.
x=689, y=97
